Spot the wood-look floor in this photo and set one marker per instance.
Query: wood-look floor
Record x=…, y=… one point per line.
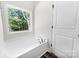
x=48, y=55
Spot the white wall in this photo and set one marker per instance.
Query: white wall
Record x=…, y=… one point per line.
x=43, y=20
x=17, y=43
x=1, y=38
x=14, y=44
x=25, y=5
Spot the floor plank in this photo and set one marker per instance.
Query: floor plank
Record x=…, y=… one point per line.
x=49, y=55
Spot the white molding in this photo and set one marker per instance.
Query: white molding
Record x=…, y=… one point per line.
x=43, y=53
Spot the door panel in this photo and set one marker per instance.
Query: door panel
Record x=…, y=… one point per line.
x=66, y=11
x=64, y=44
x=64, y=24
x=76, y=48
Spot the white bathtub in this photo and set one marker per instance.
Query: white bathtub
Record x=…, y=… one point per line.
x=35, y=52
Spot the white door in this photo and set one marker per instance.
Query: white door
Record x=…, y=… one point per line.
x=64, y=28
